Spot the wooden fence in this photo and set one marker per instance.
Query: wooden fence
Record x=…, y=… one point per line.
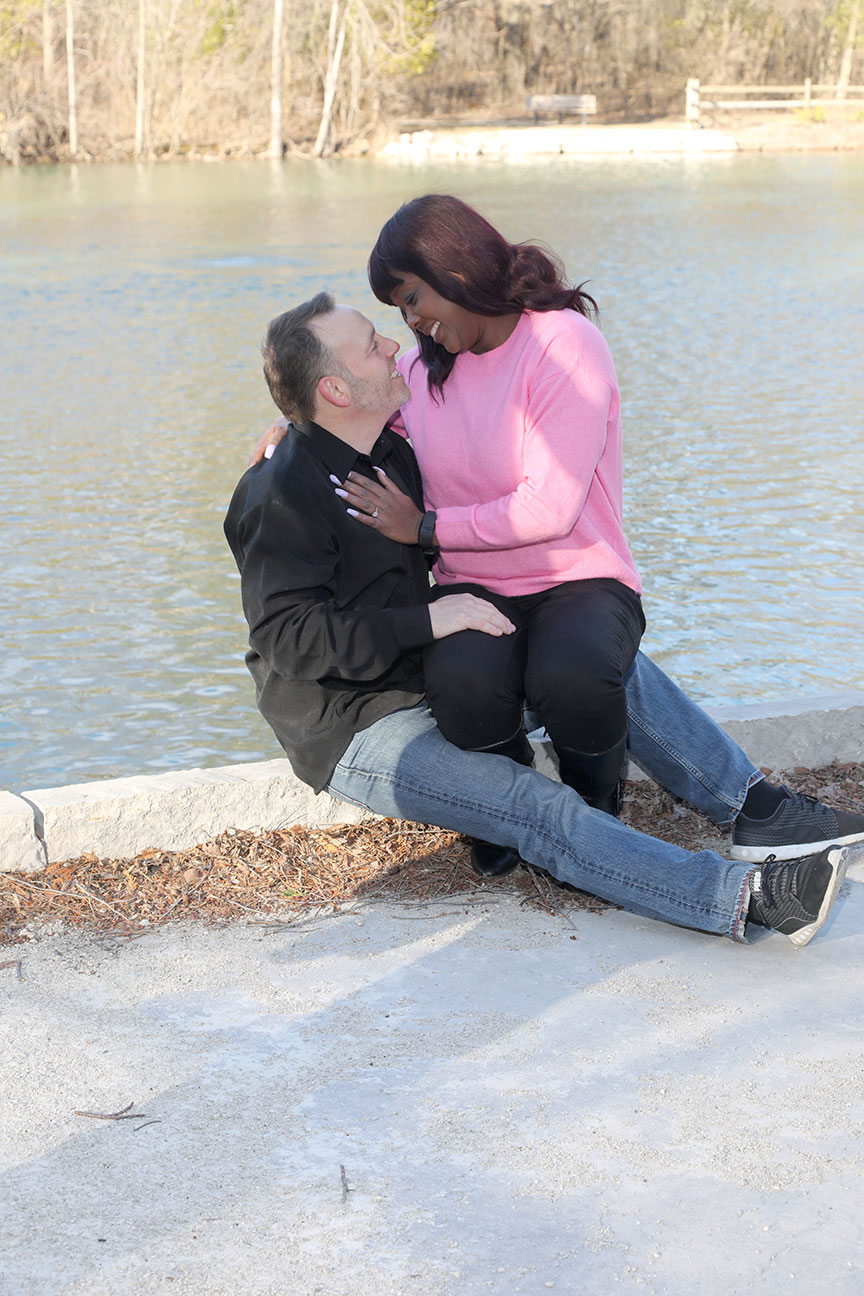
x=807, y=95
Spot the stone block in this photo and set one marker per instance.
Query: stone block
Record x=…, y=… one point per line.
x=118, y=818
x=810, y=731
x=21, y=851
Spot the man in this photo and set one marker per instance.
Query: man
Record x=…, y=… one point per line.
x=338, y=618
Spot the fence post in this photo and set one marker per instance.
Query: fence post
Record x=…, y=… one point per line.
x=808, y=92
x=691, y=103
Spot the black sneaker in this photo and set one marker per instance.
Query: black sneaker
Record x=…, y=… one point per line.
x=800, y=825
x=793, y=897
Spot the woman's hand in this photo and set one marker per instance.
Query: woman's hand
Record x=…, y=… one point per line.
x=381, y=505
x=269, y=441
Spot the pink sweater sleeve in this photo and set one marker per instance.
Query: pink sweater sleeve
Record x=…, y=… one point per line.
x=565, y=432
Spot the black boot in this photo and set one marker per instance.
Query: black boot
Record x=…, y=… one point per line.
x=596, y=776
x=487, y=859
x=490, y=861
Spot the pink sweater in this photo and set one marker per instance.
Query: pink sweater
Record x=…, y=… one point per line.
x=522, y=459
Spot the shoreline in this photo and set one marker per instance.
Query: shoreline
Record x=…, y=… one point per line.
x=502, y=137
x=291, y=875
x=121, y=818
x=719, y=132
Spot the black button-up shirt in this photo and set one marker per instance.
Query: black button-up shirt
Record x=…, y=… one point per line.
x=337, y=613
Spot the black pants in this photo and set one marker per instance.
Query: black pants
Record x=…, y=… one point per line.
x=567, y=659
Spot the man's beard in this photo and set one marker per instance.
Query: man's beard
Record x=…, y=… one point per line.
x=382, y=395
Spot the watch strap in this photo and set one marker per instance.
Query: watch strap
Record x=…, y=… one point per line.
x=426, y=532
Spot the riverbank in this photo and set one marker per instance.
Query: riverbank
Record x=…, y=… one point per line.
x=791, y=132
x=762, y=132
x=838, y=129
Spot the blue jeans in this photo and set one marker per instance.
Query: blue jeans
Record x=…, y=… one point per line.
x=680, y=747
x=402, y=767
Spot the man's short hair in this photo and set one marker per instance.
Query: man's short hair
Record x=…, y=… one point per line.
x=295, y=357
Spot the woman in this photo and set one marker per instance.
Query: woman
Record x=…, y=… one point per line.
x=515, y=420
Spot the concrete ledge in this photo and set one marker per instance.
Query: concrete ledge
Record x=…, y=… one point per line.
x=541, y=141
x=808, y=731
x=20, y=848
x=780, y=735
x=119, y=818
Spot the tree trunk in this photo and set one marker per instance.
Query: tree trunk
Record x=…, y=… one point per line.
x=47, y=44
x=276, y=68
x=70, y=71
x=331, y=79
x=848, y=52
x=139, y=81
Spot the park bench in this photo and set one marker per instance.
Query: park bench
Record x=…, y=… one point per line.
x=560, y=104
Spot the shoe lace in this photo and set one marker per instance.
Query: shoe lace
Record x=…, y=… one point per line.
x=775, y=882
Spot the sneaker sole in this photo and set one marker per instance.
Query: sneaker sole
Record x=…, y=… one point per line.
x=837, y=858
x=795, y=850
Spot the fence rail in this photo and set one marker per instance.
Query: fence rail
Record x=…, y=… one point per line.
x=806, y=95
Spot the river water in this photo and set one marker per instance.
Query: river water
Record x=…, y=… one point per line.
x=732, y=295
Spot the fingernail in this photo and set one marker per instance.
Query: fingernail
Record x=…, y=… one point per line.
x=268, y=453
x=381, y=470
x=335, y=479
x=353, y=512
x=342, y=494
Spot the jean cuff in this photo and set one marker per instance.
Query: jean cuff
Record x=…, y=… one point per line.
x=740, y=921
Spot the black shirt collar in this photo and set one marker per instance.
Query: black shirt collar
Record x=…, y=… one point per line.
x=337, y=455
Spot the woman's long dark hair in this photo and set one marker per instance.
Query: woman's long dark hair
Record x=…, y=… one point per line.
x=454, y=249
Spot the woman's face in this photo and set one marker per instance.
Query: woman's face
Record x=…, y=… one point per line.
x=426, y=311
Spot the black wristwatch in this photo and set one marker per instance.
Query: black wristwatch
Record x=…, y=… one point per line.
x=426, y=532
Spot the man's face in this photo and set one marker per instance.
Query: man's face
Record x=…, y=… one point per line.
x=369, y=361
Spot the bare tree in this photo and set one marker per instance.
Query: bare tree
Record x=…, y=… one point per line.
x=171, y=77
x=140, y=85
x=277, y=59
x=335, y=46
x=70, y=72
x=848, y=50
x=47, y=44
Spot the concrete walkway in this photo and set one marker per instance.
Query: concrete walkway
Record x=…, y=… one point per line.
x=440, y=1100
x=587, y=1104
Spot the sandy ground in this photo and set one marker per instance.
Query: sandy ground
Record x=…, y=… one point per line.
x=765, y=131
x=463, y=1097
x=769, y=131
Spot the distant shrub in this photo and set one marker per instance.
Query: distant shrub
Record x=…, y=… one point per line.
x=815, y=114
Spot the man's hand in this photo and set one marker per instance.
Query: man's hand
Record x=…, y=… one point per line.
x=384, y=507
x=455, y=612
x=271, y=437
